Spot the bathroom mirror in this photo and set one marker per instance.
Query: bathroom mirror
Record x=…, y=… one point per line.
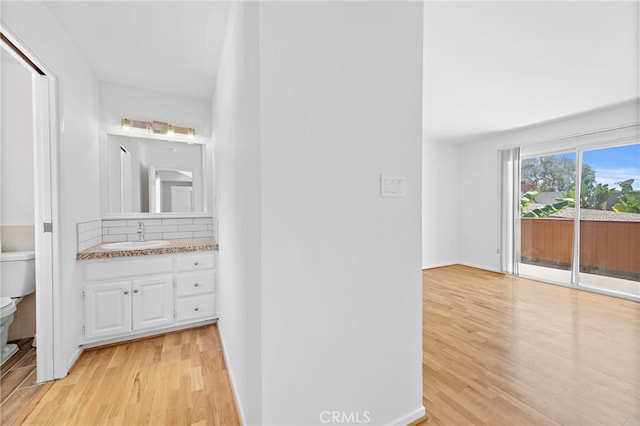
x=155, y=176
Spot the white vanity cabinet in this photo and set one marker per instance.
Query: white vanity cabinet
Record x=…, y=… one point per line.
x=195, y=287
x=141, y=295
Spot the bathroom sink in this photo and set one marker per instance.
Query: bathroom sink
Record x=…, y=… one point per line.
x=135, y=245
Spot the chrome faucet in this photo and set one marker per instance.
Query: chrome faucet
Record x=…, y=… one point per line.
x=140, y=231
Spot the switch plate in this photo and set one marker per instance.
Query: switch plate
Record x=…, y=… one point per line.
x=393, y=186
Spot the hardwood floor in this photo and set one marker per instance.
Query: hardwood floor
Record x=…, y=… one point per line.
x=501, y=350
x=18, y=385
x=498, y=350
x=174, y=379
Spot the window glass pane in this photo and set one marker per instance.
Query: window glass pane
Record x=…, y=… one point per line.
x=610, y=220
x=547, y=216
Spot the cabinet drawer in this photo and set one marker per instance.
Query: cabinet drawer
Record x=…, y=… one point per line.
x=195, y=283
x=196, y=261
x=188, y=308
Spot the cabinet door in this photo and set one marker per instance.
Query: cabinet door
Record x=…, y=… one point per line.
x=107, y=309
x=152, y=302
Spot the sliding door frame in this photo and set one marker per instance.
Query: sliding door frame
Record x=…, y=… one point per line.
x=609, y=138
x=45, y=96
x=575, y=255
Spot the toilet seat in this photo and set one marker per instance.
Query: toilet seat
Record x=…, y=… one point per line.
x=7, y=306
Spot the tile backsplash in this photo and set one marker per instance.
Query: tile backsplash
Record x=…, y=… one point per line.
x=116, y=230
x=17, y=237
x=89, y=234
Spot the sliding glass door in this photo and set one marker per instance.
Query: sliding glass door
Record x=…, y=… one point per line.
x=546, y=223
x=610, y=220
x=585, y=235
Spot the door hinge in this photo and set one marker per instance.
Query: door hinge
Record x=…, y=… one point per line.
x=174, y=314
x=83, y=295
x=174, y=283
x=47, y=227
x=83, y=331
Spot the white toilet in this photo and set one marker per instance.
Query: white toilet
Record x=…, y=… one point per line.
x=18, y=278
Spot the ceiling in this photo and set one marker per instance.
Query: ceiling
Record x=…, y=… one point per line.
x=494, y=66
x=489, y=66
x=168, y=46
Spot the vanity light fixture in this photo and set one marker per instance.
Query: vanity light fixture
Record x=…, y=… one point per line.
x=158, y=127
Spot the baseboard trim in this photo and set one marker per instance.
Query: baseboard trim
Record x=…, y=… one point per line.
x=483, y=267
x=145, y=334
x=231, y=377
x=470, y=265
x=438, y=265
x=71, y=363
x=410, y=418
x=419, y=421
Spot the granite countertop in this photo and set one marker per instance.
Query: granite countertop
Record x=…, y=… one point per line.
x=178, y=245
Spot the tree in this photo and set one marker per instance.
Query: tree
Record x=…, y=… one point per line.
x=592, y=196
x=596, y=196
x=629, y=201
x=554, y=173
x=544, y=211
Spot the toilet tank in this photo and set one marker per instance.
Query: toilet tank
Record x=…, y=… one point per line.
x=17, y=273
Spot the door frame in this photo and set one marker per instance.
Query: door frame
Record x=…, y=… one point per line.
x=607, y=138
x=45, y=97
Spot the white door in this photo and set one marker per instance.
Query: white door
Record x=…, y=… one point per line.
x=181, y=199
x=47, y=293
x=152, y=302
x=50, y=362
x=107, y=309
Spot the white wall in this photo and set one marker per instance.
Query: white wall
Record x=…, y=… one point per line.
x=440, y=208
x=17, y=146
x=35, y=26
x=478, y=221
x=320, y=277
x=341, y=103
x=118, y=101
x=237, y=179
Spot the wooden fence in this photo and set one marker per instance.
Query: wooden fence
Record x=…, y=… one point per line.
x=606, y=247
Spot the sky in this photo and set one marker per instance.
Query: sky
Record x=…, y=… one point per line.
x=615, y=164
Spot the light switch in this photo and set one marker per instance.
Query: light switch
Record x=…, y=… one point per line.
x=392, y=186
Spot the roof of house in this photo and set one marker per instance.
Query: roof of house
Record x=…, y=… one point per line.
x=588, y=214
